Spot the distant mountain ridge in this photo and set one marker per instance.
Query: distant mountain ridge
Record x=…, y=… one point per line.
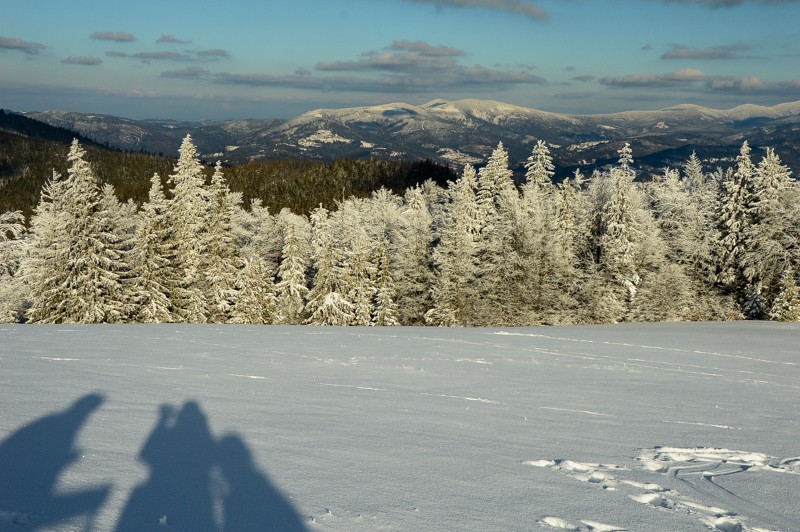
x=20, y=124
x=461, y=132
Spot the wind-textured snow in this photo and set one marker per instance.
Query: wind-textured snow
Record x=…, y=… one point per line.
x=181, y=427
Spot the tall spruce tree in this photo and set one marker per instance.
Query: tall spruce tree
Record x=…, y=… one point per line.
x=74, y=267
x=188, y=216
x=152, y=259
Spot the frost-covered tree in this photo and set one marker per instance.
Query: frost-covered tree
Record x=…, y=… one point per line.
x=74, y=266
x=733, y=216
x=188, y=216
x=413, y=258
x=291, y=288
x=326, y=303
x=786, y=306
x=12, y=252
x=254, y=300
x=455, y=263
x=220, y=260
x=614, y=238
x=540, y=167
x=769, y=239
x=151, y=258
x=499, y=213
x=693, y=175
x=385, y=311
x=357, y=270
x=627, y=244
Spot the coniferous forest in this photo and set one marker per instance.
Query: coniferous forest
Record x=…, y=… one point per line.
x=691, y=243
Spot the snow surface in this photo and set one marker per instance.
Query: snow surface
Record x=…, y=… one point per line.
x=176, y=427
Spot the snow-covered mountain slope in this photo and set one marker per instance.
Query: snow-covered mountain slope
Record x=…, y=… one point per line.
x=461, y=132
x=689, y=426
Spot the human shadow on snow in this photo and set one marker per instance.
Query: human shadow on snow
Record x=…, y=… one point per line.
x=197, y=483
x=31, y=461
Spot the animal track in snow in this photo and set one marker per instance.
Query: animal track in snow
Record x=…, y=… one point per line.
x=693, y=468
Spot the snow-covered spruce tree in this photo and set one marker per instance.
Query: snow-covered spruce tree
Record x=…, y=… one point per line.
x=357, y=271
x=291, y=289
x=770, y=239
x=540, y=167
x=683, y=224
x=188, y=216
x=151, y=260
x=733, y=216
x=498, y=275
x=38, y=269
x=628, y=247
x=259, y=234
x=220, y=260
x=326, y=305
x=385, y=311
x=614, y=198
x=255, y=300
x=12, y=252
x=380, y=217
x=786, y=305
x=413, y=273
x=454, y=259
x=73, y=270
x=540, y=288
x=121, y=221
x=567, y=232
x=694, y=178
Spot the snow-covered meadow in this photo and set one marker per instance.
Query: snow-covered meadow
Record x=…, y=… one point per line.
x=179, y=427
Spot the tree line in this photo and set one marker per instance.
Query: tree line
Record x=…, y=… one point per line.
x=26, y=163
x=481, y=251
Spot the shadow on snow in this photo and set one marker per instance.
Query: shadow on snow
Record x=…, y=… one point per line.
x=31, y=461
x=195, y=481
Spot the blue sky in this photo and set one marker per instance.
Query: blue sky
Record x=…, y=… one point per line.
x=263, y=59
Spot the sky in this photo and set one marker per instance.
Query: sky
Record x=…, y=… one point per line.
x=202, y=60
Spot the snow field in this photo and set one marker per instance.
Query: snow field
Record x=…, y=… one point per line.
x=632, y=427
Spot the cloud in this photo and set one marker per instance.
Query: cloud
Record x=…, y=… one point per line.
x=169, y=39
x=569, y=68
x=424, y=49
x=584, y=78
x=146, y=57
x=189, y=55
x=112, y=36
x=728, y=51
x=520, y=7
x=28, y=47
x=82, y=60
x=755, y=85
x=697, y=80
x=400, y=56
x=714, y=4
x=473, y=78
x=647, y=47
x=402, y=66
x=193, y=72
x=213, y=54
x=679, y=77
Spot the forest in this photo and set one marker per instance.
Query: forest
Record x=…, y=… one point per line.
x=479, y=250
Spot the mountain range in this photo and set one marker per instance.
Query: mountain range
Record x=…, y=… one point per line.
x=462, y=132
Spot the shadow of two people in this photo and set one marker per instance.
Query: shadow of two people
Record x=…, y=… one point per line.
x=195, y=482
